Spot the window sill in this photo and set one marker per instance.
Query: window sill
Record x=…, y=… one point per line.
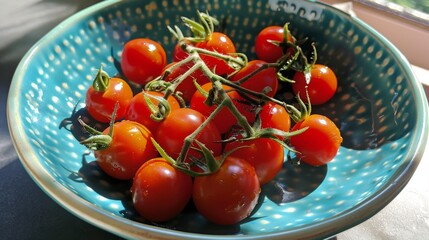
x=410, y=37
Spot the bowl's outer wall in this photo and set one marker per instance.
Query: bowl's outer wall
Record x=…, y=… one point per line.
x=375, y=108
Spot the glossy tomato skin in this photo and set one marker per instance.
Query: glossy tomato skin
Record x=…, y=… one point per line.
x=320, y=143
x=264, y=154
x=224, y=120
x=160, y=191
x=139, y=111
x=130, y=148
x=100, y=104
x=179, y=124
x=221, y=43
x=142, y=60
x=260, y=82
x=321, y=88
x=267, y=51
x=229, y=195
x=179, y=53
x=275, y=116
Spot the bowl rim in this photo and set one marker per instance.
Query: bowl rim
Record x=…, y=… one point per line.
x=131, y=229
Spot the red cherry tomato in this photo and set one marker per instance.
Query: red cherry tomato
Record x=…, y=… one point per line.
x=247, y=109
x=160, y=191
x=187, y=87
x=275, y=116
x=318, y=144
x=264, y=154
x=221, y=43
x=264, y=81
x=139, y=111
x=229, y=195
x=321, y=88
x=224, y=119
x=142, y=60
x=179, y=124
x=179, y=53
x=100, y=104
x=130, y=148
x=265, y=49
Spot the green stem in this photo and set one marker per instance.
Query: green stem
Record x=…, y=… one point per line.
x=227, y=102
x=235, y=61
x=260, y=69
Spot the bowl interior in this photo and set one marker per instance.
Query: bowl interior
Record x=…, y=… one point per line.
x=376, y=108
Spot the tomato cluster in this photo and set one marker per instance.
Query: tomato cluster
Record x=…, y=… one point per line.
x=208, y=126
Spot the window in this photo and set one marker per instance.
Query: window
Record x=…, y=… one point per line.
x=415, y=10
x=402, y=22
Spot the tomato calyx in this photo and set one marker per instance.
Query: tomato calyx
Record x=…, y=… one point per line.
x=160, y=111
x=208, y=164
x=101, y=80
x=99, y=141
x=296, y=59
x=202, y=29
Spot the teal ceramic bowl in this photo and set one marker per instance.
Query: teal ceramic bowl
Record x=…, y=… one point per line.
x=380, y=108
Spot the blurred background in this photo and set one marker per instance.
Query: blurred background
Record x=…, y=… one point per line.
x=26, y=211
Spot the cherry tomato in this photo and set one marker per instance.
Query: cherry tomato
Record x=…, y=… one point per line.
x=264, y=81
x=130, y=148
x=100, y=104
x=318, y=144
x=221, y=43
x=179, y=53
x=139, y=111
x=275, y=116
x=160, y=191
x=142, y=60
x=322, y=85
x=265, y=49
x=187, y=87
x=224, y=119
x=229, y=195
x=179, y=124
x=264, y=154
x=246, y=108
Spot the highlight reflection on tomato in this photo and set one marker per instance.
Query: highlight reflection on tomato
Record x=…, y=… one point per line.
x=318, y=144
x=160, y=191
x=129, y=149
x=229, y=195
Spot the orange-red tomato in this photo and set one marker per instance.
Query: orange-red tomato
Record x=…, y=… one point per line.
x=186, y=87
x=179, y=124
x=142, y=60
x=229, y=195
x=275, y=116
x=265, y=81
x=264, y=47
x=220, y=43
x=224, y=119
x=160, y=191
x=321, y=87
x=318, y=144
x=139, y=111
x=264, y=154
x=129, y=149
x=100, y=104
